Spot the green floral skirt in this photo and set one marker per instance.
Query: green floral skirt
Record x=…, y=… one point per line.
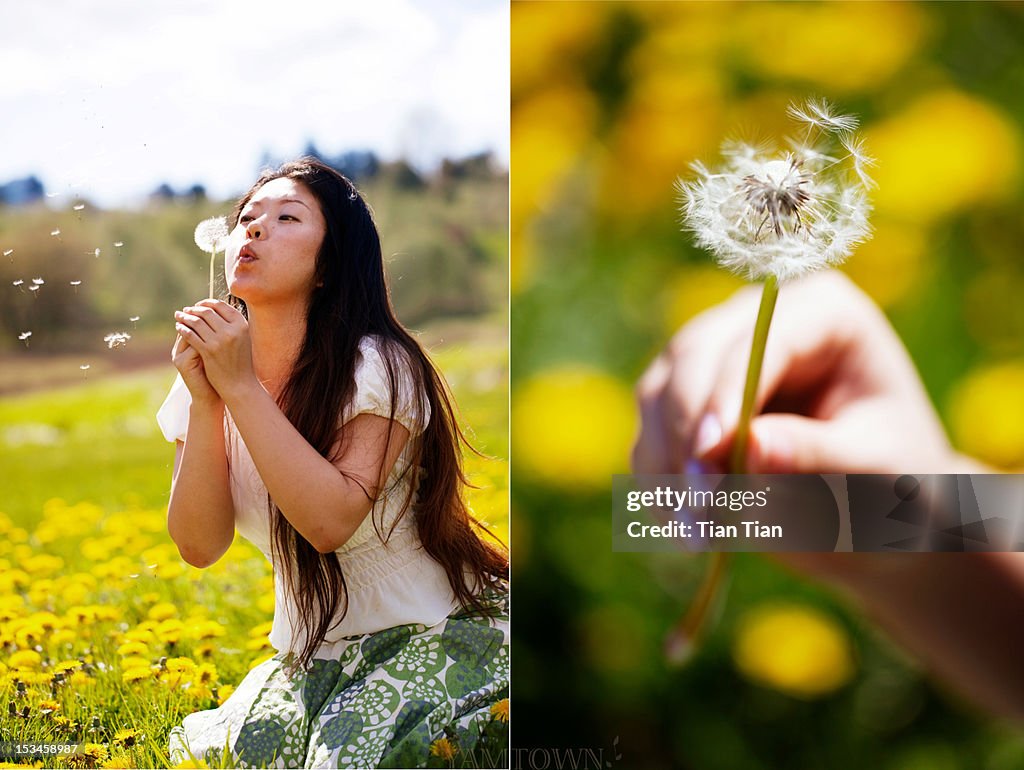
x=409, y=696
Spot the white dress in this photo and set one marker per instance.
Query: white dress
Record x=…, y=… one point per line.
x=393, y=586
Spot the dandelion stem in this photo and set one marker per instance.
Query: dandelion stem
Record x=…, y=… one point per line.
x=683, y=639
x=738, y=458
x=684, y=636
x=213, y=261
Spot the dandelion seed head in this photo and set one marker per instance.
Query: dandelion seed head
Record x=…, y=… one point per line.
x=211, y=234
x=117, y=339
x=783, y=213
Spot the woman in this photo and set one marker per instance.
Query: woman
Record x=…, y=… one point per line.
x=309, y=420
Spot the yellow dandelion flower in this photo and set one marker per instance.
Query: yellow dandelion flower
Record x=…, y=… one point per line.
x=43, y=564
x=80, y=679
x=208, y=629
x=205, y=674
x=987, y=414
x=263, y=629
x=170, y=631
x=25, y=659
x=133, y=648
x=266, y=602
x=199, y=692
x=559, y=440
x=66, y=665
x=14, y=580
x=204, y=649
x=444, y=749
x=169, y=570
x=500, y=710
x=49, y=706
x=173, y=679
x=138, y=674
x=128, y=737
x=63, y=638
x=223, y=693
x=794, y=649
x=184, y=665
x=162, y=611
x=134, y=661
x=257, y=644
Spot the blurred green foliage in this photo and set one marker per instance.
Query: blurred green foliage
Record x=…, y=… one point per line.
x=445, y=244
x=611, y=102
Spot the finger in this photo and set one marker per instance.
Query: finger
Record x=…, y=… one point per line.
x=203, y=321
x=227, y=312
x=209, y=315
x=788, y=443
x=650, y=450
x=190, y=336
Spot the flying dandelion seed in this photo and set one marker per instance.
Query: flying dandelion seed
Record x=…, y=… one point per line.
x=34, y=288
x=76, y=284
x=134, y=320
x=24, y=337
x=55, y=233
x=211, y=235
x=85, y=370
x=117, y=339
x=96, y=253
x=19, y=283
x=38, y=281
x=8, y=252
x=78, y=207
x=118, y=245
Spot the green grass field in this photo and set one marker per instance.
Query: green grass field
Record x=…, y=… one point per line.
x=107, y=639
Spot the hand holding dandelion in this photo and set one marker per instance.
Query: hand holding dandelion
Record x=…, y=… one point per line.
x=774, y=216
x=210, y=236
x=777, y=216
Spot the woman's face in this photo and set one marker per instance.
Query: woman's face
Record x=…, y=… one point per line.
x=271, y=253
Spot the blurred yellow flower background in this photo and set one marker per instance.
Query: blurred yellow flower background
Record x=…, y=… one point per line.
x=611, y=103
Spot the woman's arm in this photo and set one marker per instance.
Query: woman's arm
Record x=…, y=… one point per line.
x=325, y=502
x=200, y=514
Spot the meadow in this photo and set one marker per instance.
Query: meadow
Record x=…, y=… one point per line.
x=107, y=638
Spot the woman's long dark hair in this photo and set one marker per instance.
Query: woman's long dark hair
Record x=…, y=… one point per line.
x=351, y=301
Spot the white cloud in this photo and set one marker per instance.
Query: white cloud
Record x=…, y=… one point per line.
x=112, y=97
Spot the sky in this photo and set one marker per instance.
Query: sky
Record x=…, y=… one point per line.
x=105, y=99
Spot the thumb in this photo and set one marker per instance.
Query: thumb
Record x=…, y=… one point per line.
x=789, y=443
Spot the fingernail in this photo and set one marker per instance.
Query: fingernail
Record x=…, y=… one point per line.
x=695, y=468
x=709, y=433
